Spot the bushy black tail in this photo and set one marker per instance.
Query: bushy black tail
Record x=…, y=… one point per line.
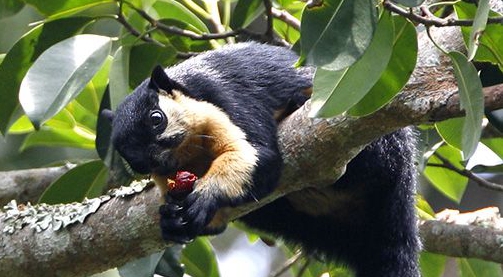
x=371, y=224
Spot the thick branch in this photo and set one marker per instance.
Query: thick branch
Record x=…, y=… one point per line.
x=122, y=230
x=468, y=235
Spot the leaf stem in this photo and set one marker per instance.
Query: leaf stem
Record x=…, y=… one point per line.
x=431, y=20
x=466, y=173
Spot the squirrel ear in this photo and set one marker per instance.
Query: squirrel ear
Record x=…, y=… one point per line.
x=159, y=80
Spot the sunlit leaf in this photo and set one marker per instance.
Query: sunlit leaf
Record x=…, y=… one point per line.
x=490, y=43
x=337, y=91
x=171, y=9
x=69, y=65
x=54, y=8
x=22, y=55
x=199, y=259
x=397, y=73
x=85, y=180
x=478, y=268
x=425, y=211
x=495, y=144
x=471, y=100
x=78, y=137
x=448, y=182
x=451, y=131
x=337, y=33
x=432, y=265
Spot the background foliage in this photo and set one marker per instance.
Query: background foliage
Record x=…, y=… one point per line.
x=65, y=61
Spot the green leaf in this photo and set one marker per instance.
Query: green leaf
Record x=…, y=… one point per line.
x=169, y=265
x=119, y=76
x=495, y=144
x=490, y=43
x=21, y=126
x=144, y=57
x=78, y=137
x=448, y=182
x=83, y=117
x=478, y=27
x=171, y=9
x=59, y=8
x=493, y=169
x=10, y=7
x=85, y=180
x=90, y=97
x=199, y=259
x=409, y=3
x=245, y=12
x=336, y=34
x=478, y=268
x=425, y=211
x=69, y=65
x=337, y=91
x=432, y=265
x=141, y=267
x=181, y=43
x=62, y=120
x=397, y=73
x=451, y=131
x=22, y=55
x=471, y=100
x=495, y=118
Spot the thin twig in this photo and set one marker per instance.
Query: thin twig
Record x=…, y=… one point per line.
x=286, y=17
x=304, y=267
x=269, y=34
x=466, y=173
x=205, y=36
x=288, y=264
x=430, y=20
x=120, y=18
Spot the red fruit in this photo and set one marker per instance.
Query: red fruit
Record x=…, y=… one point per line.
x=182, y=185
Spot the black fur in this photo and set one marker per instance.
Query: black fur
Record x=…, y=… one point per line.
x=375, y=234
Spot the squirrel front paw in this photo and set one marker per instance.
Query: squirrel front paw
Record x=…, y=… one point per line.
x=184, y=219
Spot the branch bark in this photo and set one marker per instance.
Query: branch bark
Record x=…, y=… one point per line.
x=469, y=235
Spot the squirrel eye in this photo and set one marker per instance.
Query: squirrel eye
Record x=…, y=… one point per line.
x=157, y=118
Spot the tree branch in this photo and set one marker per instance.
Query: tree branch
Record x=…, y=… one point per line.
x=124, y=229
x=429, y=19
x=286, y=17
x=469, y=235
x=27, y=185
